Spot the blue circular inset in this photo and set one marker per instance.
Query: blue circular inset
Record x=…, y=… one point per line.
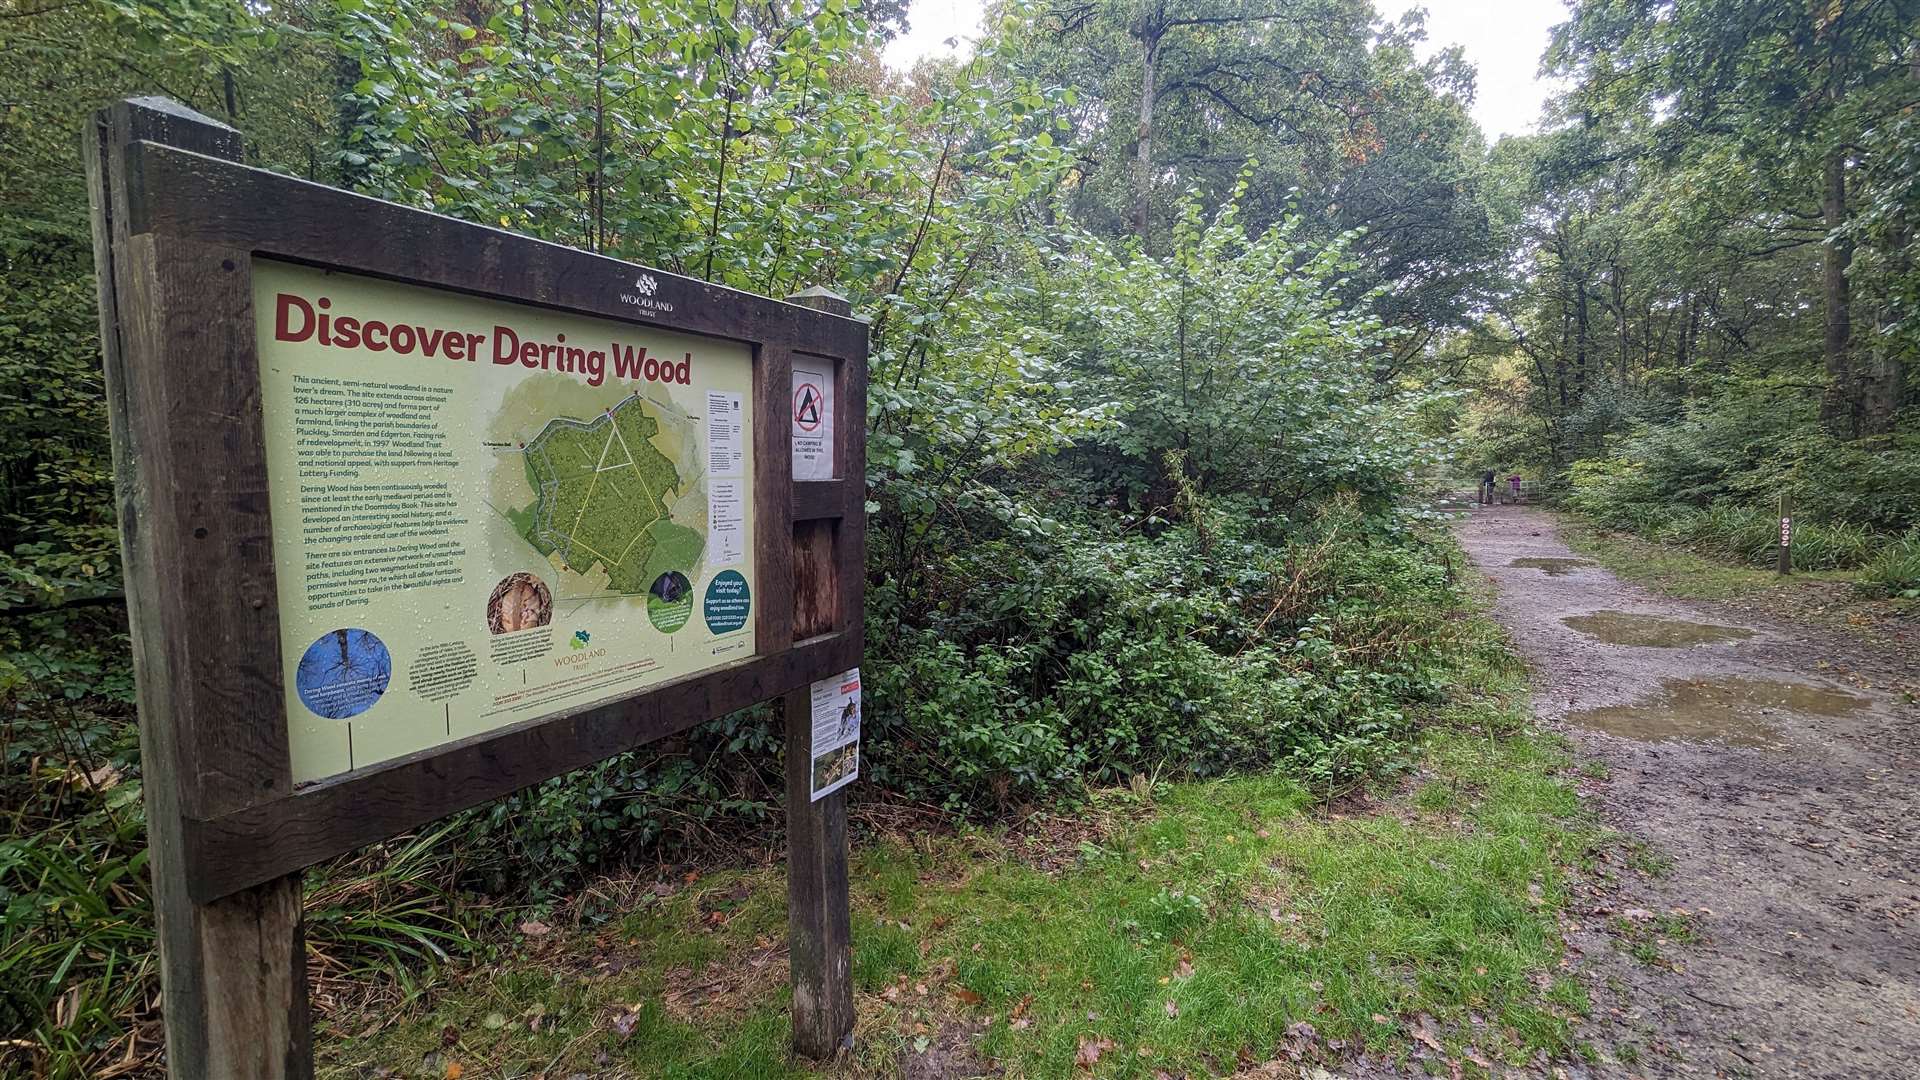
x=728, y=603
x=343, y=673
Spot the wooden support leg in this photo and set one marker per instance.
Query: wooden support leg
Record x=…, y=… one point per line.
x=819, y=928
x=235, y=977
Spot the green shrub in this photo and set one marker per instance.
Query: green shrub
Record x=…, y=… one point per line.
x=1894, y=570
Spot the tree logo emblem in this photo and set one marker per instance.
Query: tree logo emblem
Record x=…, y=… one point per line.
x=646, y=284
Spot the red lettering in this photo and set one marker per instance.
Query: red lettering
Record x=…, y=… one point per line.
x=346, y=332
x=506, y=345
x=367, y=332
x=285, y=306
x=403, y=339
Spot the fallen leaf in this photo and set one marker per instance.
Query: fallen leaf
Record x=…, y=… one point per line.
x=1088, y=1054
x=535, y=928
x=1184, y=969
x=968, y=997
x=623, y=1022
x=453, y=1070
x=1020, y=1007
x=1173, y=1009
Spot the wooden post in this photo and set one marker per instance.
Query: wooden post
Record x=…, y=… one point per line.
x=819, y=922
x=1786, y=533
x=232, y=970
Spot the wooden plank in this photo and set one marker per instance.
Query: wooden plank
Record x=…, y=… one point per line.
x=816, y=499
x=819, y=929
x=819, y=926
x=346, y=812
x=773, y=497
x=191, y=480
x=850, y=545
x=181, y=193
x=816, y=593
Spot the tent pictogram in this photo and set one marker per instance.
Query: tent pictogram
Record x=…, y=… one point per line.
x=807, y=402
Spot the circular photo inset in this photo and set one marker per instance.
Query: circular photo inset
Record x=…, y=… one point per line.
x=519, y=602
x=670, y=601
x=343, y=673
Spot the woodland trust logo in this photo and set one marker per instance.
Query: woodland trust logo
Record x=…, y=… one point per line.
x=642, y=297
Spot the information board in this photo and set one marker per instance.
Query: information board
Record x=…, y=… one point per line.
x=491, y=512
x=416, y=513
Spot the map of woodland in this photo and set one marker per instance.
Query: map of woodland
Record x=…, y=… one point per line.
x=603, y=496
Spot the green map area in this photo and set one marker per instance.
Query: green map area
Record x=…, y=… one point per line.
x=601, y=496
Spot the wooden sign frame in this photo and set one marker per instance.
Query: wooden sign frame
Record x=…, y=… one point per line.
x=177, y=223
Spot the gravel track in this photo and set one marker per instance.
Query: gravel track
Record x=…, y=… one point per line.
x=1779, y=776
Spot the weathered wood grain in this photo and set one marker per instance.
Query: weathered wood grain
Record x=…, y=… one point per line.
x=819, y=926
x=346, y=812
x=183, y=403
x=828, y=574
x=182, y=193
x=816, y=499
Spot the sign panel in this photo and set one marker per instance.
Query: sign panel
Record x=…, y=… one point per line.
x=486, y=512
x=812, y=419
x=836, y=733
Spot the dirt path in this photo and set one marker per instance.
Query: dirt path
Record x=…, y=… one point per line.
x=1785, y=795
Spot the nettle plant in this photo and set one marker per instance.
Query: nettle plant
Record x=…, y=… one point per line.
x=1241, y=352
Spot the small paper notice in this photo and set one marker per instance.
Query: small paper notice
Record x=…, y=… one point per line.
x=812, y=421
x=726, y=434
x=726, y=522
x=836, y=732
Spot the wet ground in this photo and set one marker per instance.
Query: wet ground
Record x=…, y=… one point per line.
x=1771, y=927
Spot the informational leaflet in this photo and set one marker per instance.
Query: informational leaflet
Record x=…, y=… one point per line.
x=812, y=419
x=836, y=732
x=485, y=513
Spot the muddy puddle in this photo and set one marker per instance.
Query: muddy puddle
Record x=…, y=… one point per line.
x=1552, y=567
x=1731, y=711
x=1625, y=628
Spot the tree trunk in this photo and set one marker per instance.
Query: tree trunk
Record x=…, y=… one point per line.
x=1882, y=383
x=1837, y=404
x=1143, y=147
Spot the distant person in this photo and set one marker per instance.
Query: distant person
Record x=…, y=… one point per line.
x=1514, y=483
x=1486, y=487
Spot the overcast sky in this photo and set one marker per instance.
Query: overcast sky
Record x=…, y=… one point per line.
x=1503, y=40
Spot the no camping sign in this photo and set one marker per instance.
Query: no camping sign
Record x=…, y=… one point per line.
x=812, y=420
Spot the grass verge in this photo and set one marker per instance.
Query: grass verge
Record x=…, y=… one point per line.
x=1677, y=571
x=1168, y=928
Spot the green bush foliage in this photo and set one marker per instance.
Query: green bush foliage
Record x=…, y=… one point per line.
x=1712, y=480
